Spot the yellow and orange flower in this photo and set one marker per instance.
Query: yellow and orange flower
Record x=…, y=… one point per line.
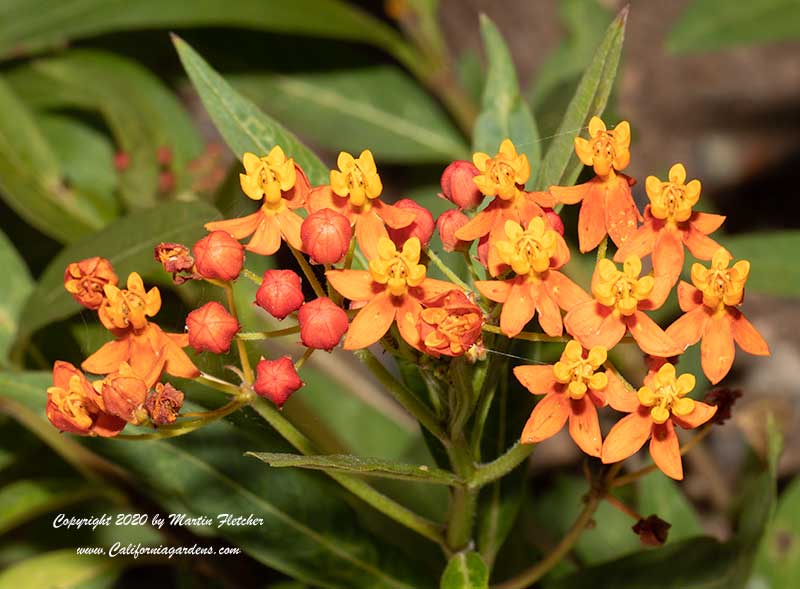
x=653, y=412
x=85, y=280
x=711, y=315
x=138, y=342
x=607, y=204
x=620, y=297
x=573, y=390
x=393, y=290
x=354, y=192
x=670, y=223
x=503, y=177
x=534, y=254
x=283, y=187
x=449, y=324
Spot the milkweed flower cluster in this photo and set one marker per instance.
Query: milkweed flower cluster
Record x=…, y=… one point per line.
x=378, y=288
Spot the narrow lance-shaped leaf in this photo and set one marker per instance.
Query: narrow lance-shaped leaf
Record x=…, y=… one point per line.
x=466, y=570
x=17, y=287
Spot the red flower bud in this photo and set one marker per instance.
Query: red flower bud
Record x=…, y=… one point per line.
x=164, y=155
x=166, y=181
x=447, y=224
x=554, y=220
x=326, y=236
x=121, y=161
x=85, y=280
x=458, y=186
x=421, y=227
x=211, y=328
x=276, y=379
x=163, y=404
x=322, y=324
x=280, y=293
x=218, y=256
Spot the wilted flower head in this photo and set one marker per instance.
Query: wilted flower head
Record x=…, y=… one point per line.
x=652, y=530
x=450, y=324
x=174, y=258
x=85, y=280
x=163, y=404
x=124, y=393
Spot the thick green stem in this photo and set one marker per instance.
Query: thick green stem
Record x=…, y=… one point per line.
x=243, y=358
x=464, y=500
x=497, y=469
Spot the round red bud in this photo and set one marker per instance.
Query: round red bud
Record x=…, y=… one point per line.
x=326, y=236
x=554, y=220
x=447, y=224
x=421, y=227
x=280, y=293
x=322, y=324
x=276, y=379
x=211, y=328
x=218, y=256
x=458, y=185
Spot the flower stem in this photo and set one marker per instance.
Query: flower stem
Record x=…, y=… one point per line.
x=252, y=276
x=452, y=276
x=183, y=428
x=302, y=360
x=243, y=358
x=308, y=271
x=471, y=266
x=464, y=500
x=259, y=335
x=491, y=471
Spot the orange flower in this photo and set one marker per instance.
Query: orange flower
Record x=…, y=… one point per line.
x=124, y=391
x=670, y=223
x=711, y=315
x=653, y=413
x=73, y=404
x=534, y=254
x=607, y=205
x=573, y=390
x=449, y=325
x=138, y=342
x=283, y=187
x=619, y=298
x=353, y=192
x=393, y=289
x=85, y=280
x=502, y=176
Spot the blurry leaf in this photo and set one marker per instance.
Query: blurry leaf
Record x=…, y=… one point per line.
x=778, y=563
x=660, y=495
x=470, y=73
x=773, y=269
x=504, y=114
x=17, y=285
x=358, y=465
x=560, y=165
x=30, y=178
x=128, y=243
x=140, y=110
x=63, y=569
x=378, y=108
x=242, y=125
x=498, y=510
x=707, y=25
x=465, y=570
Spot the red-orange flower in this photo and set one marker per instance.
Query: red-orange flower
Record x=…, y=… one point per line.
x=326, y=236
x=620, y=298
x=421, y=227
x=85, y=280
x=670, y=223
x=653, y=413
x=322, y=324
x=711, y=315
x=458, y=185
x=393, y=289
x=211, y=328
x=354, y=191
x=138, y=342
x=447, y=224
x=219, y=256
x=124, y=391
x=276, y=379
x=534, y=254
x=283, y=187
x=449, y=325
x=280, y=292
x=607, y=204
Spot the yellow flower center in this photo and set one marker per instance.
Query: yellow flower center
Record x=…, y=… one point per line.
x=129, y=307
x=621, y=290
x=72, y=402
x=356, y=178
x=667, y=394
x=605, y=150
x=673, y=200
x=268, y=177
x=721, y=286
x=502, y=174
x=579, y=373
x=528, y=251
x=397, y=270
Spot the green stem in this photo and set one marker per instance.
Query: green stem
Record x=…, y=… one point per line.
x=252, y=276
x=602, y=249
x=240, y=347
x=261, y=335
x=308, y=271
x=464, y=500
x=471, y=266
x=452, y=276
x=491, y=471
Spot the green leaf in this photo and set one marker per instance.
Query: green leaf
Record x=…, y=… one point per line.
x=560, y=165
x=771, y=256
x=242, y=125
x=17, y=286
x=504, y=113
x=358, y=465
x=128, y=243
x=63, y=569
x=707, y=25
x=30, y=179
x=140, y=110
x=465, y=570
x=660, y=495
x=778, y=563
x=380, y=108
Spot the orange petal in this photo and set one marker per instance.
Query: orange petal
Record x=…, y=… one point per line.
x=562, y=253
x=592, y=324
x=63, y=373
x=668, y=257
x=107, y=426
x=662, y=287
x=666, y=450
x=689, y=328
x=407, y=318
x=549, y=314
x=584, y=427
x=237, y=228
x=177, y=363
x=716, y=349
x=627, y=436
x=640, y=244
x=565, y=292
x=369, y=230
x=699, y=415
x=689, y=297
x=322, y=197
x=494, y=290
x=621, y=213
x=371, y=323
x=747, y=336
x=431, y=288
x=518, y=309
x=479, y=225
x=547, y=418
x=394, y=217
x=356, y=285
x=108, y=358
x=570, y=195
x=523, y=210
x=651, y=338
x=706, y=222
x=619, y=396
x=289, y=223
x=539, y=380
x=267, y=237
x=591, y=219
x=701, y=246
x=542, y=199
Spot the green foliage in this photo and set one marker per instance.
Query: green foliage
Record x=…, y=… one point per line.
x=778, y=562
x=73, y=571
x=768, y=254
x=466, y=570
x=17, y=287
x=663, y=497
